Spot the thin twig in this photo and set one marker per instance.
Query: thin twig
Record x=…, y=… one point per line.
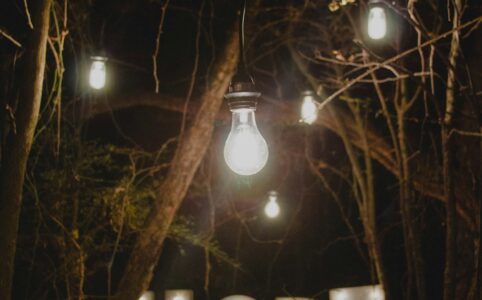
x=10, y=38
x=465, y=133
x=449, y=282
x=27, y=12
x=194, y=71
x=393, y=59
x=156, y=49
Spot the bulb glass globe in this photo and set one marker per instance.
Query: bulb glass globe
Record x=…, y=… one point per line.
x=377, y=23
x=97, y=74
x=309, y=109
x=245, y=151
x=272, y=208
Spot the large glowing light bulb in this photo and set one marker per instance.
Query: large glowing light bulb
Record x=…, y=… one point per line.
x=272, y=208
x=377, y=23
x=97, y=73
x=309, y=108
x=245, y=151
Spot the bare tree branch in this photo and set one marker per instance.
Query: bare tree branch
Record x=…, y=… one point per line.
x=395, y=58
x=10, y=38
x=156, y=49
x=12, y=173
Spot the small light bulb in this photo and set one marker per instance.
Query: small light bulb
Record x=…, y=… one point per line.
x=309, y=108
x=245, y=151
x=97, y=73
x=178, y=297
x=377, y=23
x=272, y=208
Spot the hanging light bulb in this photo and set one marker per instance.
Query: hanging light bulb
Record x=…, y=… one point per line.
x=377, y=20
x=97, y=73
x=245, y=150
x=309, y=108
x=272, y=208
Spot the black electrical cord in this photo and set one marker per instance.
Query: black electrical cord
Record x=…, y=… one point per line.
x=242, y=75
x=241, y=91
x=241, y=32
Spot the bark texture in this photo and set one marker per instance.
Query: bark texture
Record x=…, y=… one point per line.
x=19, y=142
x=448, y=154
x=413, y=251
x=188, y=156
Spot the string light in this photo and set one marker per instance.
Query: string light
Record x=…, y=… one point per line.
x=97, y=75
x=377, y=20
x=309, y=108
x=245, y=150
x=272, y=208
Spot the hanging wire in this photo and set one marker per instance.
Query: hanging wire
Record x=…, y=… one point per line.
x=241, y=31
x=242, y=67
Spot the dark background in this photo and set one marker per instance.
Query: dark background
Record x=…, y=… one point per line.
x=304, y=252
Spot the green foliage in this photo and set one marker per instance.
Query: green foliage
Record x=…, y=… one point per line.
x=182, y=231
x=88, y=200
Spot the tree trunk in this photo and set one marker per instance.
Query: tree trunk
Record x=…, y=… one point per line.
x=448, y=154
x=188, y=156
x=413, y=251
x=363, y=182
x=19, y=142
